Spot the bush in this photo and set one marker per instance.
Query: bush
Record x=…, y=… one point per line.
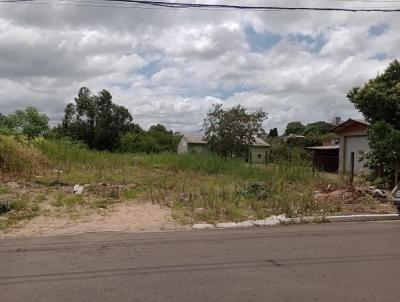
x=19, y=157
x=283, y=152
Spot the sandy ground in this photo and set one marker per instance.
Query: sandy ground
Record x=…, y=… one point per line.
x=132, y=217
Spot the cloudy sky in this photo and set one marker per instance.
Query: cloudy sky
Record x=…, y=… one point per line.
x=169, y=66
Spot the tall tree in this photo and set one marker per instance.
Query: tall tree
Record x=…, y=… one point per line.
x=318, y=128
x=230, y=132
x=294, y=128
x=379, y=102
x=96, y=120
x=273, y=132
x=379, y=98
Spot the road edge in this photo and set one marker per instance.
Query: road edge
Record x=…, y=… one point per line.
x=282, y=219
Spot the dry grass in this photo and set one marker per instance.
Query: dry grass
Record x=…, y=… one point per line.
x=196, y=187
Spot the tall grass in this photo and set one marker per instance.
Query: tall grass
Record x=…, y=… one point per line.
x=68, y=153
x=190, y=182
x=19, y=157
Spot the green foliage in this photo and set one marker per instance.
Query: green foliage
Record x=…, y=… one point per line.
x=66, y=201
x=29, y=122
x=304, y=142
x=96, y=120
x=17, y=210
x=19, y=157
x=314, y=134
x=384, y=141
x=318, y=128
x=3, y=189
x=101, y=203
x=67, y=152
x=294, y=128
x=156, y=140
x=230, y=132
x=379, y=98
x=273, y=132
x=295, y=154
x=379, y=101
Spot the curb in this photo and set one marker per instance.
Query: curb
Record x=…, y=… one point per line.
x=366, y=217
x=281, y=219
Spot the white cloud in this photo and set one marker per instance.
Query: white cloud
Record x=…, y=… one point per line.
x=171, y=66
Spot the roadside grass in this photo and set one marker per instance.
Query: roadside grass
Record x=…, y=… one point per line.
x=68, y=200
x=19, y=158
x=16, y=211
x=197, y=187
x=4, y=189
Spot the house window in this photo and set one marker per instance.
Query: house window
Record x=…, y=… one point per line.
x=259, y=155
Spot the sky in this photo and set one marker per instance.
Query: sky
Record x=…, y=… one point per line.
x=169, y=66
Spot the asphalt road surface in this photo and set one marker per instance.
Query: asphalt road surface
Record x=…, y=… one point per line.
x=323, y=262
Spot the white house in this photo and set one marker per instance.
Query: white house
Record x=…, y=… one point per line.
x=195, y=143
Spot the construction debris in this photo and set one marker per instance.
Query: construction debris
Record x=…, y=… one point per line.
x=78, y=189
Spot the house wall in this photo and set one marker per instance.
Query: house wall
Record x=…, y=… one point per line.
x=258, y=154
x=183, y=146
x=353, y=143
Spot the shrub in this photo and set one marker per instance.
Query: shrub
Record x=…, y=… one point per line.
x=19, y=157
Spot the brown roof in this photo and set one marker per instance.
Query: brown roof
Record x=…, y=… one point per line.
x=198, y=138
x=339, y=128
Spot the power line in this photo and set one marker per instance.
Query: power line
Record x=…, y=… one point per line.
x=245, y=7
x=142, y=4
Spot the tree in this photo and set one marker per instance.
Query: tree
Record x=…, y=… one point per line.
x=379, y=102
x=294, y=128
x=96, y=120
x=379, y=98
x=273, y=132
x=157, y=139
x=29, y=121
x=158, y=128
x=384, y=141
x=318, y=128
x=230, y=132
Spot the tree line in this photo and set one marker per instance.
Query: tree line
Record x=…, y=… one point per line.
x=96, y=121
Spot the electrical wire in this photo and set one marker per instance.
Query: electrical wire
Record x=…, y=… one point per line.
x=204, y=6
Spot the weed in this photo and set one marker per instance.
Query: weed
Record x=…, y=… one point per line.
x=131, y=193
x=4, y=189
x=19, y=157
x=101, y=203
x=18, y=210
x=67, y=201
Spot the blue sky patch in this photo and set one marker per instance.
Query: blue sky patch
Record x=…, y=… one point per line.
x=312, y=44
x=378, y=29
x=380, y=56
x=150, y=69
x=260, y=42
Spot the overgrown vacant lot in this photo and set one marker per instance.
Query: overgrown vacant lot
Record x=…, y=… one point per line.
x=38, y=180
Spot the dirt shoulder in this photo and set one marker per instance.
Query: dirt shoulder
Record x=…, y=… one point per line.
x=132, y=217
x=34, y=209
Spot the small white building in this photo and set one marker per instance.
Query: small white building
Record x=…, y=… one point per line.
x=195, y=143
x=353, y=138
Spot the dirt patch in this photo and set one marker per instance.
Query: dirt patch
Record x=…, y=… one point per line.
x=353, y=200
x=130, y=217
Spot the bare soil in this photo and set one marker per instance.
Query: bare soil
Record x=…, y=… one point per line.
x=126, y=217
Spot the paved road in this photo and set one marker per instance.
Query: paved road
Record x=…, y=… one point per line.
x=327, y=262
